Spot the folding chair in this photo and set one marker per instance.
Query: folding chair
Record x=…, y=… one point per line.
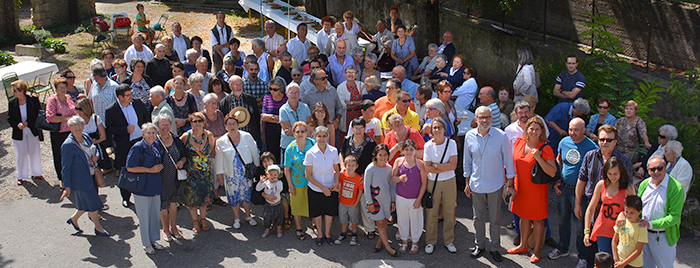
x=38, y=87
x=160, y=28
x=124, y=30
x=7, y=80
x=100, y=40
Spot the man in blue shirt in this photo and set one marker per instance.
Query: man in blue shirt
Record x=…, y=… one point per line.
x=560, y=115
x=571, y=151
x=570, y=83
x=399, y=72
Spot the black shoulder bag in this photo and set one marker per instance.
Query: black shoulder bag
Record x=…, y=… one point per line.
x=427, y=200
x=538, y=174
x=249, y=168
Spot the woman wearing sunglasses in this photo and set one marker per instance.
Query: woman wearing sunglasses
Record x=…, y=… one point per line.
x=271, y=115
x=603, y=117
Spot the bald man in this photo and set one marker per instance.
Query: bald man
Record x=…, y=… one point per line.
x=338, y=62
x=340, y=34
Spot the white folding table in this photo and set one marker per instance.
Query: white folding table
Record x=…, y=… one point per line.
x=28, y=70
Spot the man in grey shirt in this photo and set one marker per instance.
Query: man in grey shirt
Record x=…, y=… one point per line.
x=326, y=94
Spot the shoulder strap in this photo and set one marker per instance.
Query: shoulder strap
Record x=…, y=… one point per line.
x=234, y=147
x=447, y=144
x=86, y=154
x=166, y=150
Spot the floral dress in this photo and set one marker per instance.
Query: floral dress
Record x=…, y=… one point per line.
x=199, y=186
x=238, y=187
x=354, y=96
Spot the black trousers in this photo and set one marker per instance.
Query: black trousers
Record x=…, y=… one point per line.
x=57, y=139
x=120, y=154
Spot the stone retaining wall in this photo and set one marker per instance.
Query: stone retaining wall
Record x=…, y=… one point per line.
x=47, y=13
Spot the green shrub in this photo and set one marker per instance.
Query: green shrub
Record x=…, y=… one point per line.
x=57, y=45
x=6, y=58
x=30, y=35
x=41, y=35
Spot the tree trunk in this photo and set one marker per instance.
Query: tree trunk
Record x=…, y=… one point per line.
x=432, y=21
x=9, y=18
x=316, y=7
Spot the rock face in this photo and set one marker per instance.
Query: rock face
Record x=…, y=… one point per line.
x=46, y=13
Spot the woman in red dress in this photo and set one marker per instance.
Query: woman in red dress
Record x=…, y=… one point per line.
x=530, y=202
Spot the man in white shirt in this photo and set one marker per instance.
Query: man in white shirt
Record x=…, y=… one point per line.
x=272, y=39
x=219, y=35
x=340, y=34
x=298, y=45
x=180, y=41
x=516, y=129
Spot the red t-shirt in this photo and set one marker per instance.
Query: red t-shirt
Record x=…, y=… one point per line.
x=413, y=134
x=350, y=188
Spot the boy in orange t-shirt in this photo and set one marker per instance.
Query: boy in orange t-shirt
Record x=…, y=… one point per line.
x=351, y=186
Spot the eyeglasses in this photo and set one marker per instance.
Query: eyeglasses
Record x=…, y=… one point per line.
x=656, y=169
x=606, y=140
x=432, y=109
x=197, y=121
x=70, y=77
x=603, y=107
x=274, y=88
x=296, y=74
x=322, y=78
x=406, y=101
x=662, y=137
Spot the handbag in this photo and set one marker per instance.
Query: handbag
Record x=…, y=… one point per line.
x=641, y=149
x=250, y=167
x=99, y=177
x=427, y=201
x=42, y=123
x=132, y=182
x=538, y=174
x=122, y=22
x=181, y=173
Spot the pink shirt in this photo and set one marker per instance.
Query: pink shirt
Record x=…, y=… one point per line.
x=54, y=108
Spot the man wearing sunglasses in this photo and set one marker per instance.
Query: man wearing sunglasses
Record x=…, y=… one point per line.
x=663, y=197
x=326, y=94
x=589, y=174
x=403, y=103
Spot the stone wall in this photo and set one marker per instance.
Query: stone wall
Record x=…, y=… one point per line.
x=9, y=18
x=47, y=13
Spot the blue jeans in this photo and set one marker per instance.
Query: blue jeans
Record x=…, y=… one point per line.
x=604, y=244
x=516, y=220
x=567, y=201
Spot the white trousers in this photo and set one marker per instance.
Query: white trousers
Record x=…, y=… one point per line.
x=657, y=253
x=27, y=155
x=409, y=219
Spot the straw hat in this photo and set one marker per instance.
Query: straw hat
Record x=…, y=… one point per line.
x=242, y=115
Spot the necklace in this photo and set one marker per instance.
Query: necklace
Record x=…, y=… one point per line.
x=198, y=142
x=179, y=100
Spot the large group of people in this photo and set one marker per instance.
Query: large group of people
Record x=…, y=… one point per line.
x=315, y=133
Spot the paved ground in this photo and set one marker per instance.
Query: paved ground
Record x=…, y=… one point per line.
x=35, y=233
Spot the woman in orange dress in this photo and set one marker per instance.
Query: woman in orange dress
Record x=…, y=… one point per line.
x=530, y=202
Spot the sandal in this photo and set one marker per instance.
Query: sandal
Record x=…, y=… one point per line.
x=403, y=248
x=319, y=241
x=371, y=235
x=195, y=226
x=300, y=235
x=167, y=237
x=177, y=236
x=287, y=223
x=205, y=226
x=414, y=249
x=511, y=225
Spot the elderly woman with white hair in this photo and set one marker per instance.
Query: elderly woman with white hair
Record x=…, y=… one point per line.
x=173, y=159
x=677, y=167
x=435, y=108
x=78, y=155
x=350, y=93
x=297, y=75
x=291, y=112
x=191, y=62
x=666, y=133
x=322, y=172
x=385, y=63
x=428, y=63
x=369, y=68
x=145, y=158
x=215, y=125
x=357, y=55
x=196, y=81
x=264, y=59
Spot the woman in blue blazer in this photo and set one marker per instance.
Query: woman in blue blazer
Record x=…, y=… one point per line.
x=79, y=175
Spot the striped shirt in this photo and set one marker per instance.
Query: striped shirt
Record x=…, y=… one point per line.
x=103, y=97
x=258, y=88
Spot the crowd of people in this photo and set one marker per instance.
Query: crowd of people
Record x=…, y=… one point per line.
x=313, y=131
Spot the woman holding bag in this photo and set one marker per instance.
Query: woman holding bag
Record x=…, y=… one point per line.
x=59, y=107
x=173, y=152
x=145, y=158
x=199, y=188
x=78, y=155
x=531, y=201
x=235, y=150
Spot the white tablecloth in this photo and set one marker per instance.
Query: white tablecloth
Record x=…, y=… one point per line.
x=287, y=21
x=28, y=70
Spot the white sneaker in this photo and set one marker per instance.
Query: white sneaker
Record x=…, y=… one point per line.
x=581, y=263
x=451, y=248
x=237, y=224
x=429, y=249
x=556, y=254
x=251, y=221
